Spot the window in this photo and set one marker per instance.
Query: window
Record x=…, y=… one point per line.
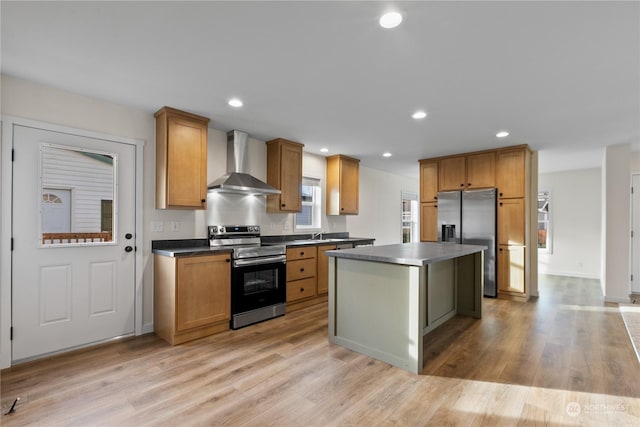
x=409, y=217
x=544, y=222
x=309, y=216
x=78, y=190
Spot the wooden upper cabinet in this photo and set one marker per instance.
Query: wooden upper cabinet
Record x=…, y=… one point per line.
x=428, y=181
x=343, y=174
x=284, y=172
x=181, y=159
x=467, y=172
x=481, y=170
x=452, y=173
x=510, y=173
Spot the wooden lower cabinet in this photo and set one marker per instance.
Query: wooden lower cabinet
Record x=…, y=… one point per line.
x=322, y=271
x=301, y=273
x=511, y=270
x=192, y=296
x=428, y=222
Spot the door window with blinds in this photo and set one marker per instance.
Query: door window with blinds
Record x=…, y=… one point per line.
x=309, y=217
x=77, y=193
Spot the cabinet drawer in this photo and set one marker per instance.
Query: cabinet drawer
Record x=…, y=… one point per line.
x=301, y=253
x=299, y=289
x=301, y=269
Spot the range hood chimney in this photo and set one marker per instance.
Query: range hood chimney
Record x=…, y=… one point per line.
x=237, y=180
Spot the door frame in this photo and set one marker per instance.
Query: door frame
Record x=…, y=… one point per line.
x=6, y=219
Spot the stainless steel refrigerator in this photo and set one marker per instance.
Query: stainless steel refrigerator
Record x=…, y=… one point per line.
x=469, y=217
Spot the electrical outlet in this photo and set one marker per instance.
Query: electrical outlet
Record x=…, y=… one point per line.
x=285, y=226
x=175, y=226
x=157, y=227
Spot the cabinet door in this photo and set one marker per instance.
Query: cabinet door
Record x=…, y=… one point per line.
x=510, y=173
x=511, y=222
x=322, y=271
x=186, y=163
x=452, y=173
x=284, y=172
x=428, y=222
x=349, y=184
x=203, y=291
x=291, y=178
x=428, y=181
x=481, y=170
x=511, y=269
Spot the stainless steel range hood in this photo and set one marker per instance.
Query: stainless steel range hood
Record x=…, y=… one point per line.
x=237, y=180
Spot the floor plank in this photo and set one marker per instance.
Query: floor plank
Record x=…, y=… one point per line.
x=562, y=359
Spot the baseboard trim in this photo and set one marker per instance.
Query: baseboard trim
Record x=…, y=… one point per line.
x=566, y=274
x=147, y=328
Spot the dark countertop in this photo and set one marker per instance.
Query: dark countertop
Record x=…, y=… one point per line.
x=190, y=247
x=330, y=241
x=416, y=254
x=197, y=250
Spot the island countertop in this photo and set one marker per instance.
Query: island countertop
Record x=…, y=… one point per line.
x=417, y=254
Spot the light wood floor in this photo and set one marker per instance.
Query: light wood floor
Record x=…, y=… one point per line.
x=563, y=359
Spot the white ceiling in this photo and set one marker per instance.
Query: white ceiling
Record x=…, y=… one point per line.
x=563, y=77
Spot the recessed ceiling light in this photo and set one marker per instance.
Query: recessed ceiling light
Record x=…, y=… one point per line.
x=419, y=115
x=390, y=20
x=235, y=102
x=502, y=134
x=387, y=154
x=324, y=150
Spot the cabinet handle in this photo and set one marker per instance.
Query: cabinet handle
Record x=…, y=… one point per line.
x=283, y=205
x=500, y=194
x=341, y=209
x=500, y=203
x=203, y=200
x=435, y=206
x=227, y=260
x=469, y=184
x=461, y=185
x=301, y=289
x=435, y=197
x=500, y=249
x=301, y=270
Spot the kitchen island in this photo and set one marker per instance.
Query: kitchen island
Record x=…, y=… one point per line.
x=384, y=299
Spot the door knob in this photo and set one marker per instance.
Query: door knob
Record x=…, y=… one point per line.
x=128, y=249
x=128, y=236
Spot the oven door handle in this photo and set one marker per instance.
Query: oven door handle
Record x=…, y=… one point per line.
x=260, y=261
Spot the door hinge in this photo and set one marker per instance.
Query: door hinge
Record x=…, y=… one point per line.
x=13, y=155
x=632, y=277
x=11, y=333
x=12, y=243
x=631, y=233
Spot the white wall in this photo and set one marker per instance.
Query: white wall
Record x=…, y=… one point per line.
x=575, y=220
x=616, y=171
x=381, y=206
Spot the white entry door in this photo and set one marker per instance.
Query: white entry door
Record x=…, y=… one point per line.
x=72, y=287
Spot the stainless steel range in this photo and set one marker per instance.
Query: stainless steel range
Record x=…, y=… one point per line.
x=258, y=274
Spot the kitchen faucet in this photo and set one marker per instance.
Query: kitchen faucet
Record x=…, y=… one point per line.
x=317, y=235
